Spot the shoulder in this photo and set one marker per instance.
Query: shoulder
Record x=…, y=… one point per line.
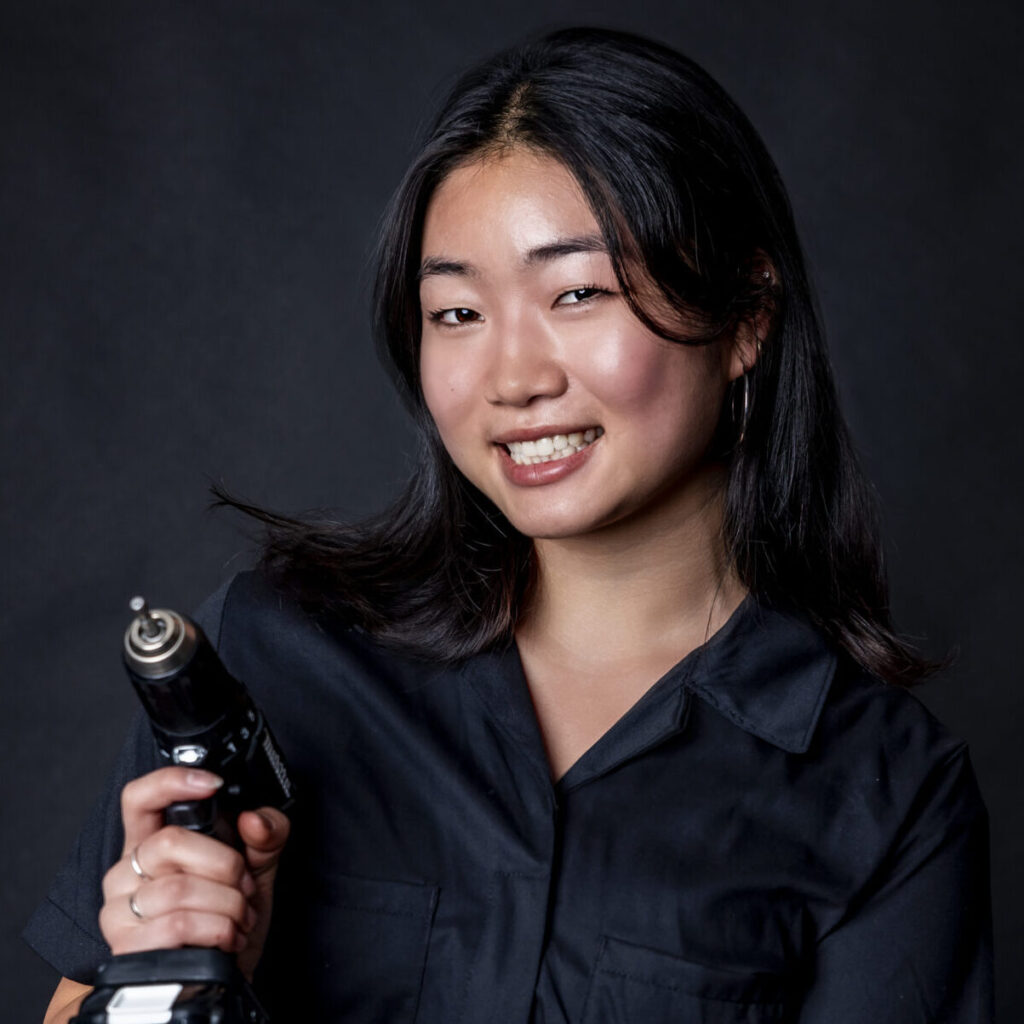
x=792, y=684
x=250, y=610
x=250, y=593
x=866, y=718
x=893, y=767
x=271, y=641
x=859, y=756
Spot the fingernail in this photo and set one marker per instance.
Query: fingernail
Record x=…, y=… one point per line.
x=248, y=884
x=203, y=780
x=269, y=822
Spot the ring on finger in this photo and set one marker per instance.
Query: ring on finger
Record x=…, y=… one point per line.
x=133, y=860
x=133, y=906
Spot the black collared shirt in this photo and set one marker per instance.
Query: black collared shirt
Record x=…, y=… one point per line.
x=767, y=835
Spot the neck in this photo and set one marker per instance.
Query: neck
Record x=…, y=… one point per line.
x=632, y=589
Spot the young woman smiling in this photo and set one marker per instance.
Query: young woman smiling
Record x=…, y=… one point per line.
x=605, y=720
x=527, y=342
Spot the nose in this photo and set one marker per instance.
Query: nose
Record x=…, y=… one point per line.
x=525, y=366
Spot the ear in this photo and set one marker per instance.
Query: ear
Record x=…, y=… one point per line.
x=753, y=330
x=744, y=349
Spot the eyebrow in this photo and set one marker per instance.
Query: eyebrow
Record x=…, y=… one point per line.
x=547, y=253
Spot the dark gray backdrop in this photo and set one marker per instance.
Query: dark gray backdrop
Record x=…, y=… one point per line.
x=189, y=196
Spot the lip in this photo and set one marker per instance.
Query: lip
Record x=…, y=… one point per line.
x=535, y=433
x=542, y=472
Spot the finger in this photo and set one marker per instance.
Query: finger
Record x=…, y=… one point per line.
x=264, y=833
x=177, y=929
x=173, y=893
x=176, y=849
x=143, y=800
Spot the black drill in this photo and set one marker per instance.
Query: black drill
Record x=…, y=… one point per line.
x=201, y=717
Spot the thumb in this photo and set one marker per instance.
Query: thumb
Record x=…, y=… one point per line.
x=264, y=833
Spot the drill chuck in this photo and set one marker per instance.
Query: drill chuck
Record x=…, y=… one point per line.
x=157, y=643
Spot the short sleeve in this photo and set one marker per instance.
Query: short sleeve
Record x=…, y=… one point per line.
x=917, y=946
x=64, y=929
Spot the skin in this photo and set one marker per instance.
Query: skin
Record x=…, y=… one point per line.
x=631, y=570
x=522, y=332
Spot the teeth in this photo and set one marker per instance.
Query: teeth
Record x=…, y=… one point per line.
x=549, y=449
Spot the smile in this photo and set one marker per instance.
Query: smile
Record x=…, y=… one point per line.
x=550, y=449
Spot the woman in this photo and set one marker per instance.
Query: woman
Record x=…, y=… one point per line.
x=604, y=720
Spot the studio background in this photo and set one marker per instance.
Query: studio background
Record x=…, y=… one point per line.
x=188, y=199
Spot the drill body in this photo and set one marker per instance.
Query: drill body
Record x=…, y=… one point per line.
x=202, y=717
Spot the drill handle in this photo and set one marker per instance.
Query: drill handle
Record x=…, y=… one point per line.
x=213, y=817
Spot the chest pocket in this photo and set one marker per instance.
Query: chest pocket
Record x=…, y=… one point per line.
x=355, y=953
x=632, y=983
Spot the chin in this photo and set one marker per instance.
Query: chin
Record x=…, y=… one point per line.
x=544, y=527
x=552, y=533
x=554, y=526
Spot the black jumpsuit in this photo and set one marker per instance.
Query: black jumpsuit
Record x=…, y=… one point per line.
x=767, y=835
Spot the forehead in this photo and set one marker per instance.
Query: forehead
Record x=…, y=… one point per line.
x=522, y=197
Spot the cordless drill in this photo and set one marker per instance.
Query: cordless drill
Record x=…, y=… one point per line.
x=201, y=717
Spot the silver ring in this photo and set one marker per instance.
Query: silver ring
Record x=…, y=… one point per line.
x=134, y=907
x=133, y=859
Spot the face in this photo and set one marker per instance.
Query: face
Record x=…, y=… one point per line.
x=548, y=393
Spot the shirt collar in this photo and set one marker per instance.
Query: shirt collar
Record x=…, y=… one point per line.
x=768, y=671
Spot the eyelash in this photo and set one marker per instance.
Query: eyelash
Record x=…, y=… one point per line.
x=436, y=316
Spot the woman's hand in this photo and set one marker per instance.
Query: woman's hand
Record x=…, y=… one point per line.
x=173, y=887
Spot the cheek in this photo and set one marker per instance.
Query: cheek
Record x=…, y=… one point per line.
x=451, y=388
x=643, y=376
x=446, y=384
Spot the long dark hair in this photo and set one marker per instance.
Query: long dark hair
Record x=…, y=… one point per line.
x=683, y=187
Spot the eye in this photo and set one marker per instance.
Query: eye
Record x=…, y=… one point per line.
x=578, y=295
x=454, y=317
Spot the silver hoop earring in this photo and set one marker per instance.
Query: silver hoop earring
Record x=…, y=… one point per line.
x=745, y=416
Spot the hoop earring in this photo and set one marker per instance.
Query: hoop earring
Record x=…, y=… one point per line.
x=745, y=415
